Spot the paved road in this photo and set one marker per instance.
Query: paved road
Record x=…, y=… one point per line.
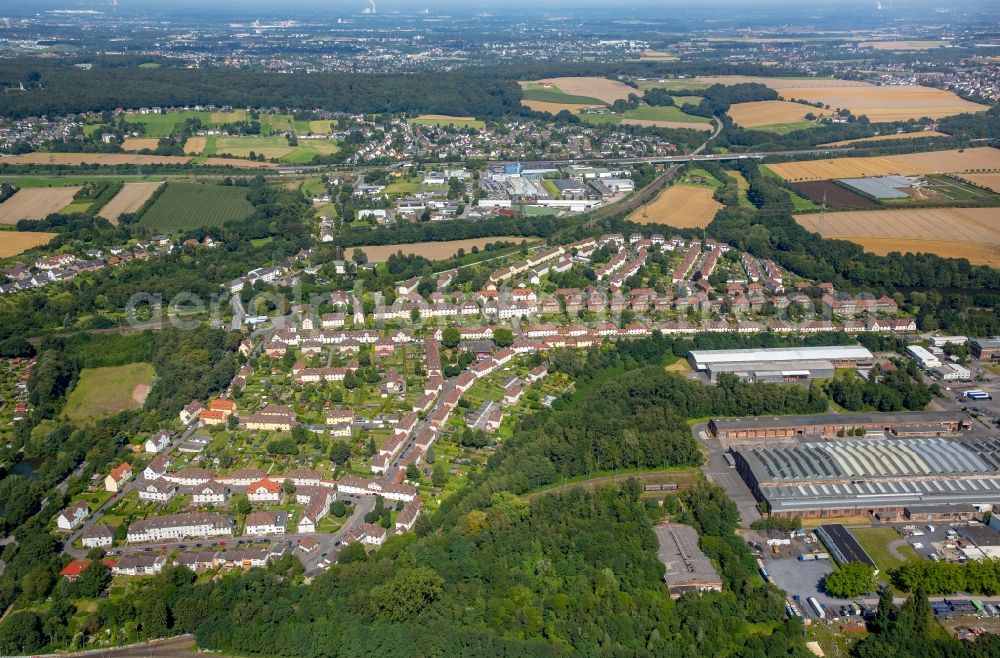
x=717, y=470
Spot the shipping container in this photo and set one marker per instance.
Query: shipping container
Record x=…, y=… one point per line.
x=817, y=608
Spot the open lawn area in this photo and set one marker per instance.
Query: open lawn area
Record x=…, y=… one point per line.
x=161, y=125
x=105, y=391
x=876, y=542
x=192, y=205
x=272, y=148
x=443, y=120
x=647, y=115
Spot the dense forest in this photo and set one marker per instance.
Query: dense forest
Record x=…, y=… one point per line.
x=61, y=88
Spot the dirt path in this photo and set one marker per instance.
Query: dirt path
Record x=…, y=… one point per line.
x=657, y=477
x=893, y=548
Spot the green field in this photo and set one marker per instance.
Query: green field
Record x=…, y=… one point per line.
x=61, y=181
x=440, y=120
x=685, y=84
x=535, y=92
x=645, y=113
x=876, y=541
x=192, y=205
x=272, y=148
x=161, y=125
x=105, y=391
x=683, y=100
x=80, y=206
x=785, y=128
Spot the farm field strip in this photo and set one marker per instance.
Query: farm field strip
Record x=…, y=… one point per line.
x=972, y=233
x=445, y=120
x=680, y=206
x=987, y=181
x=35, y=203
x=13, y=243
x=195, y=145
x=883, y=138
x=139, y=143
x=879, y=103
x=766, y=113
x=556, y=108
x=431, y=250
x=129, y=199
x=592, y=87
x=910, y=164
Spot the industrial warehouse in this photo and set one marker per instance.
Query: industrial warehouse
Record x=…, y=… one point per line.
x=900, y=424
x=882, y=477
x=780, y=364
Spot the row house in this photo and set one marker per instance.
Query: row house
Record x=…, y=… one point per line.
x=157, y=491
x=212, y=492
x=366, y=533
x=316, y=508
x=264, y=492
x=355, y=486
x=189, y=477
x=139, y=564
x=681, y=272
x=118, y=477
x=98, y=536
x=407, y=517
x=158, y=467
x=266, y=523
x=180, y=526
x=243, y=477
x=272, y=417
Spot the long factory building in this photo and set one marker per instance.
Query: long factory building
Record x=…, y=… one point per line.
x=781, y=364
x=900, y=424
x=859, y=477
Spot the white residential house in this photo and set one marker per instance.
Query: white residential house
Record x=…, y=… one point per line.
x=158, y=442
x=98, y=536
x=212, y=492
x=158, y=491
x=72, y=516
x=266, y=523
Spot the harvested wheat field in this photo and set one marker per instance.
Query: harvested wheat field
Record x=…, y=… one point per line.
x=906, y=45
x=195, y=145
x=129, y=199
x=606, y=90
x=94, y=158
x=680, y=206
x=14, y=242
x=989, y=181
x=35, y=203
x=140, y=143
x=652, y=123
x=768, y=113
x=910, y=164
x=972, y=233
x=433, y=250
x=556, y=108
x=656, y=56
x=878, y=103
x=884, y=138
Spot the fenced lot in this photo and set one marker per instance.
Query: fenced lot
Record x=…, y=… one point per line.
x=192, y=205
